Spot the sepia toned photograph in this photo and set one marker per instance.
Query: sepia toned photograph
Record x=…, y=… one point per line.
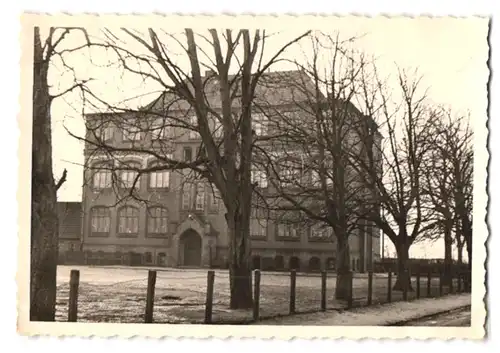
x=253, y=176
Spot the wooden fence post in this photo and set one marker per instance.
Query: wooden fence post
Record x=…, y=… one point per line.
x=418, y=283
x=429, y=283
x=350, y=297
x=150, y=297
x=452, y=287
x=323, y=290
x=389, y=287
x=370, y=288
x=293, y=285
x=440, y=283
x=74, y=282
x=256, y=294
x=210, y=296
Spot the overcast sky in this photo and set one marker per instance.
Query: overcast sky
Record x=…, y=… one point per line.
x=450, y=53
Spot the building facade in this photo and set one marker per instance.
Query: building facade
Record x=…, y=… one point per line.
x=170, y=219
x=70, y=232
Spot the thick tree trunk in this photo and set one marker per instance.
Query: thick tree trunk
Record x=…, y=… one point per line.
x=343, y=266
x=44, y=221
x=403, y=280
x=240, y=271
x=448, y=244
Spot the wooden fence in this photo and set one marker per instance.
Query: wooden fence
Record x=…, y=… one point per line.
x=461, y=279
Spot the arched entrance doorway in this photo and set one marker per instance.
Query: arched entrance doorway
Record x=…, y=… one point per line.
x=190, y=247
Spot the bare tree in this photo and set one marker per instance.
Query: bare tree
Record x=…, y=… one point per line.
x=459, y=155
x=445, y=164
x=220, y=104
x=316, y=134
x=407, y=123
x=44, y=218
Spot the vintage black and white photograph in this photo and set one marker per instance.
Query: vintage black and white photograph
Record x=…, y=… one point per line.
x=259, y=176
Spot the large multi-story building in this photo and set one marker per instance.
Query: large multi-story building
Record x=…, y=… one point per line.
x=171, y=221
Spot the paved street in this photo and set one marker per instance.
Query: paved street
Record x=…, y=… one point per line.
x=456, y=318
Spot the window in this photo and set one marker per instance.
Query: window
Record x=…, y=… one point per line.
x=289, y=173
x=100, y=220
x=162, y=259
x=188, y=154
x=105, y=132
x=148, y=257
x=157, y=220
x=260, y=124
x=193, y=131
x=131, y=132
x=102, y=176
x=129, y=176
x=215, y=197
x=128, y=220
x=316, y=180
x=200, y=196
x=258, y=227
x=288, y=230
x=159, y=179
x=216, y=126
x=321, y=232
x=259, y=177
x=186, y=196
x=160, y=131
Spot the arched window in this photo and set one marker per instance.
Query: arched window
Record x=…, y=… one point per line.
x=314, y=264
x=128, y=220
x=100, y=221
x=157, y=220
x=331, y=263
x=279, y=262
x=101, y=175
x=294, y=263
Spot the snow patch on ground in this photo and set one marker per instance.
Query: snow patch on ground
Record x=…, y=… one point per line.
x=379, y=315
